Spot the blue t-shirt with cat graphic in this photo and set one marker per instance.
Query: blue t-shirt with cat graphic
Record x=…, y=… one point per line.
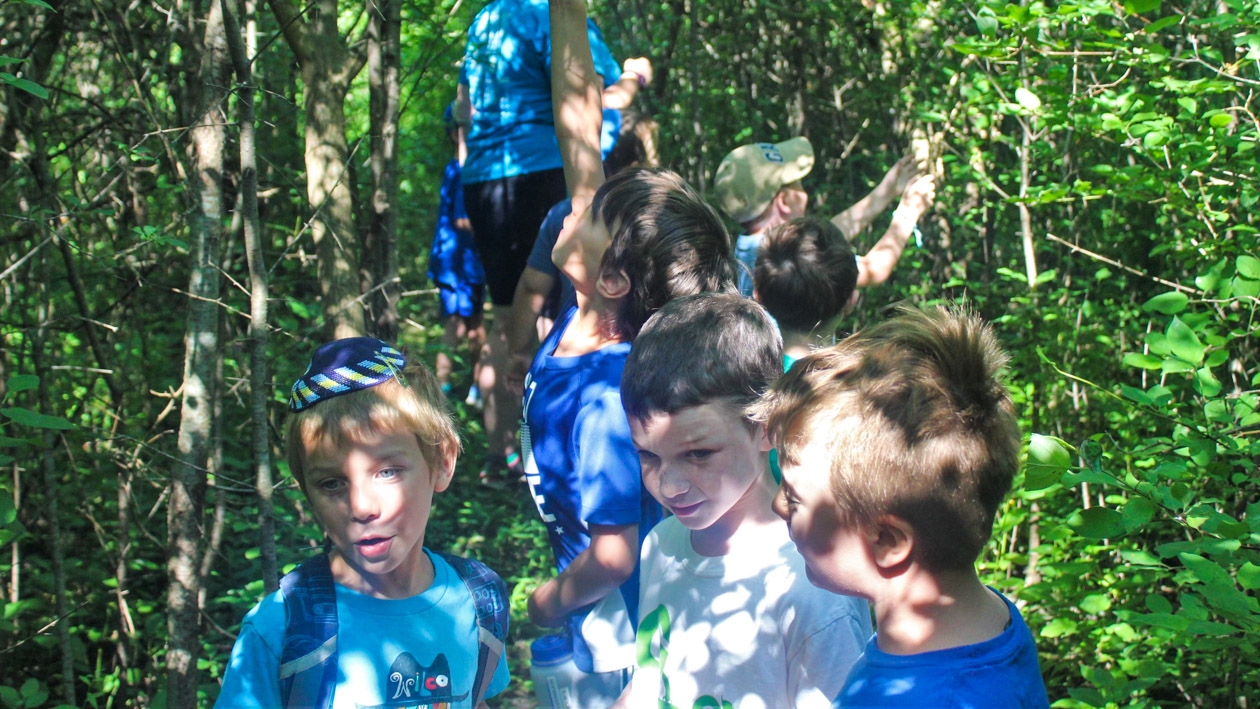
x=419, y=651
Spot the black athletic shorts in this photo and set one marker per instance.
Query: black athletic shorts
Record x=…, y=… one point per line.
x=505, y=216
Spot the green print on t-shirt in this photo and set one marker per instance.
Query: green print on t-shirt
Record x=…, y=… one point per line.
x=656, y=624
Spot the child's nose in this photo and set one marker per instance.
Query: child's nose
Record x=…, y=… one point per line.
x=673, y=483
x=779, y=504
x=364, y=506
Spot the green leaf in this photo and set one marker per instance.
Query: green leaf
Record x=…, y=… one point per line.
x=26, y=85
x=1185, y=344
x=1137, y=512
x=1140, y=558
x=1097, y=523
x=26, y=417
x=1138, y=7
x=1206, y=382
x=34, y=693
x=1095, y=603
x=1248, y=267
x=1167, y=303
x=1048, y=457
x=39, y=3
x=1249, y=576
x=1027, y=99
x=1058, y=627
x=1220, y=120
x=1161, y=23
x=23, y=382
x=1245, y=287
x=1142, y=361
x=10, y=697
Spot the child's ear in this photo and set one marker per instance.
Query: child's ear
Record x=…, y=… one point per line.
x=443, y=472
x=891, y=541
x=613, y=285
x=764, y=444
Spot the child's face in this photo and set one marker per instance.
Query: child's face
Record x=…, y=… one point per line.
x=835, y=555
x=700, y=462
x=373, y=499
x=580, y=248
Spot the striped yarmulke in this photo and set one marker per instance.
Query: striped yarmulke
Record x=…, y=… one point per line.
x=343, y=366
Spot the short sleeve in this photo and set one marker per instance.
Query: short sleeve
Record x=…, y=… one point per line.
x=605, y=64
x=253, y=672
x=463, y=73
x=548, y=233
x=821, y=662
x=607, y=464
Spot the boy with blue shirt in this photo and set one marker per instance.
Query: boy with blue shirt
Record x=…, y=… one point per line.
x=513, y=174
x=897, y=446
x=632, y=243
x=379, y=620
x=727, y=615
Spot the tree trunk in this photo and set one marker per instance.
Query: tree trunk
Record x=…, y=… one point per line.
x=258, y=380
x=328, y=67
x=381, y=245
x=201, y=348
x=48, y=470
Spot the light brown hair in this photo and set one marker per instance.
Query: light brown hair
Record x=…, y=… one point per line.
x=918, y=425
x=411, y=403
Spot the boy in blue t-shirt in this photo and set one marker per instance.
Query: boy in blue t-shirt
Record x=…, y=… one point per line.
x=455, y=268
x=369, y=443
x=897, y=446
x=631, y=244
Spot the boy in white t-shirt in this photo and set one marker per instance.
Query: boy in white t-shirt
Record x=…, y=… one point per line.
x=727, y=617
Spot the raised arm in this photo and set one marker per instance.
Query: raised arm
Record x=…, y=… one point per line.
x=576, y=101
x=878, y=263
x=636, y=73
x=860, y=214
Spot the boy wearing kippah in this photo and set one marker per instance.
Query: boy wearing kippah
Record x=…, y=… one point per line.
x=897, y=446
x=378, y=621
x=727, y=617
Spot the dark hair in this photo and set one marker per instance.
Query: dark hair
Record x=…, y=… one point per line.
x=917, y=422
x=665, y=238
x=699, y=349
x=805, y=273
x=636, y=143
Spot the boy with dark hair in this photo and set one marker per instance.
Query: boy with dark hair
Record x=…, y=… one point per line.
x=727, y=616
x=631, y=243
x=898, y=445
x=806, y=276
x=759, y=186
x=379, y=620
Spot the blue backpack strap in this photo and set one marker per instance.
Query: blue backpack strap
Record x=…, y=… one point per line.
x=308, y=662
x=489, y=595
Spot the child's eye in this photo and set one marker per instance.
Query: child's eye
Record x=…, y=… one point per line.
x=329, y=485
x=389, y=473
x=700, y=455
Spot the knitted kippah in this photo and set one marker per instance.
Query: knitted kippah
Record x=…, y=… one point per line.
x=343, y=366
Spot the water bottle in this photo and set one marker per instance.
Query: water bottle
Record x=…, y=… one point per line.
x=553, y=672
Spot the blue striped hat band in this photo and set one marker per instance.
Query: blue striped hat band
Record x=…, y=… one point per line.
x=343, y=366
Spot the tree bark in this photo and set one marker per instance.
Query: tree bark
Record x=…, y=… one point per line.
x=201, y=349
x=381, y=245
x=328, y=67
x=258, y=379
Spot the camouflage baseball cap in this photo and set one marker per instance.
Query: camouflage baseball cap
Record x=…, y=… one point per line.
x=751, y=175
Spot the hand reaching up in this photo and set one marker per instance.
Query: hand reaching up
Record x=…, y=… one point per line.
x=639, y=66
x=919, y=194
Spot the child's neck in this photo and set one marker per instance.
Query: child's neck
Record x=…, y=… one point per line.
x=797, y=344
x=411, y=578
x=586, y=333
x=921, y=612
x=744, y=525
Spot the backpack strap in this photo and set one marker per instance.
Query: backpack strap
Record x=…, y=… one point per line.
x=308, y=662
x=489, y=595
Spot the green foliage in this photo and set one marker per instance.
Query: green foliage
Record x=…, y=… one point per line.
x=1126, y=130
